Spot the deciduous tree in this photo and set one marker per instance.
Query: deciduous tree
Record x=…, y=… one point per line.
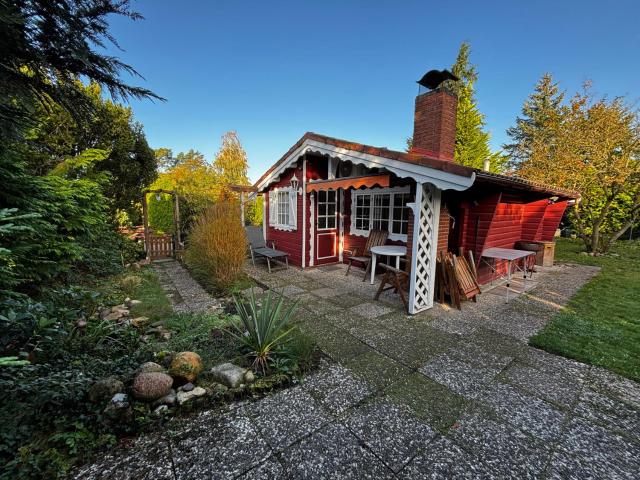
x=592, y=146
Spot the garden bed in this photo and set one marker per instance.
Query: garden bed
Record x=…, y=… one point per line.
x=81, y=394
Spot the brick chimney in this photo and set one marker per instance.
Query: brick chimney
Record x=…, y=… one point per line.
x=434, y=124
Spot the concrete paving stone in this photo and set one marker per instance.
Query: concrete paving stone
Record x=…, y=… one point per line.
x=336, y=388
x=374, y=337
x=322, y=307
x=500, y=446
x=623, y=388
x=556, y=365
x=495, y=342
x=348, y=300
x=343, y=319
x=590, y=451
x=290, y=290
x=391, y=432
x=415, y=348
x=429, y=400
x=480, y=357
x=444, y=459
x=217, y=446
x=561, y=390
x=611, y=412
x=326, y=292
x=370, y=310
x=271, y=469
x=525, y=412
x=287, y=416
x=333, y=453
x=376, y=369
x=465, y=379
x=456, y=326
x=148, y=458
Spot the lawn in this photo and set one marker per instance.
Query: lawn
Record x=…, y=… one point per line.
x=601, y=324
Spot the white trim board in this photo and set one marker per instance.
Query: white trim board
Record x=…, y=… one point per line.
x=419, y=173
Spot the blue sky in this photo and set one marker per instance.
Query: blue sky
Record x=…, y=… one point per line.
x=272, y=70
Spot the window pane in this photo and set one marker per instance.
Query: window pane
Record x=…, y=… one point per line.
x=322, y=222
x=331, y=196
x=322, y=209
x=331, y=222
x=322, y=196
x=331, y=210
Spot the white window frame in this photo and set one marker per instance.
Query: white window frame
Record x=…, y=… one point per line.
x=283, y=198
x=371, y=192
x=326, y=216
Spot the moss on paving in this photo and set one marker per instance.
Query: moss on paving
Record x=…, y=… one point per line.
x=429, y=400
x=601, y=324
x=378, y=370
x=414, y=347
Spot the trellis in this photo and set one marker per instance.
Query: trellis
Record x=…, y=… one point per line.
x=426, y=214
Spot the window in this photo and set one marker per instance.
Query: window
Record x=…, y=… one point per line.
x=282, y=208
x=400, y=219
x=326, y=210
x=381, y=209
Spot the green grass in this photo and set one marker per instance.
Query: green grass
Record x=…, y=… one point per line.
x=601, y=324
x=155, y=303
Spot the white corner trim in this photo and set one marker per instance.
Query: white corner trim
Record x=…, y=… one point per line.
x=420, y=173
x=304, y=210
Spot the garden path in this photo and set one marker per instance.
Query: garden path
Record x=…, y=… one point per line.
x=184, y=292
x=443, y=394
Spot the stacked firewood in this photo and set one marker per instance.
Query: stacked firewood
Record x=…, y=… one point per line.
x=456, y=277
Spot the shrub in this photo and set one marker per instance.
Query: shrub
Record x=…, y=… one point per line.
x=217, y=245
x=263, y=328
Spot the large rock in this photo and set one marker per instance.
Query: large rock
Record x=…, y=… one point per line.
x=185, y=366
x=186, y=396
x=169, y=399
x=151, y=386
x=228, y=374
x=150, y=367
x=105, y=388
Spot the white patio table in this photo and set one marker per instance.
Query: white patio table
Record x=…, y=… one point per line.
x=511, y=256
x=389, y=251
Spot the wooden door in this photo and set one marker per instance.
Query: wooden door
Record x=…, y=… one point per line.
x=326, y=227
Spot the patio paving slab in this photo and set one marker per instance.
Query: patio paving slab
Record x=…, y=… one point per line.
x=444, y=459
x=148, y=459
x=370, y=310
x=216, y=446
x=590, y=451
x=429, y=400
x=287, y=416
x=525, y=412
x=337, y=389
x=610, y=412
x=377, y=370
x=502, y=447
x=554, y=388
x=461, y=377
x=391, y=432
x=333, y=453
x=271, y=469
x=616, y=385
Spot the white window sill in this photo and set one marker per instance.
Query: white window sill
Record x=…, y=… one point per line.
x=284, y=228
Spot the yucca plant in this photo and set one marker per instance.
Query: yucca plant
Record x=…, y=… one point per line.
x=262, y=328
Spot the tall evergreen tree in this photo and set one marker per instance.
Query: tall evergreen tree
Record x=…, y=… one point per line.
x=472, y=141
x=541, y=108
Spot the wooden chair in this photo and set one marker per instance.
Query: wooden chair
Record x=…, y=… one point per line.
x=398, y=280
x=376, y=238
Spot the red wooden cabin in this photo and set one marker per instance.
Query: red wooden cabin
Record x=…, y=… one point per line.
x=324, y=195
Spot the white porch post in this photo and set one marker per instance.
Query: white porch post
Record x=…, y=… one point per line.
x=242, y=208
x=265, y=214
x=341, y=224
x=426, y=215
x=304, y=210
x=312, y=209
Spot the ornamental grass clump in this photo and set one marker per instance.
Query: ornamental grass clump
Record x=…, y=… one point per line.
x=217, y=245
x=263, y=328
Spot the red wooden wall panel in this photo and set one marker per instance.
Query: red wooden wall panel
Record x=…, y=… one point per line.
x=551, y=221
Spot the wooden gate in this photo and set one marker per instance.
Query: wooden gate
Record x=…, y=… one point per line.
x=160, y=246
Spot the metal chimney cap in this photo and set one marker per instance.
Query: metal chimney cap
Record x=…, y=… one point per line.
x=434, y=78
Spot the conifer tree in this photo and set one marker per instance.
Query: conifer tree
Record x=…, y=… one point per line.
x=472, y=142
x=541, y=108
